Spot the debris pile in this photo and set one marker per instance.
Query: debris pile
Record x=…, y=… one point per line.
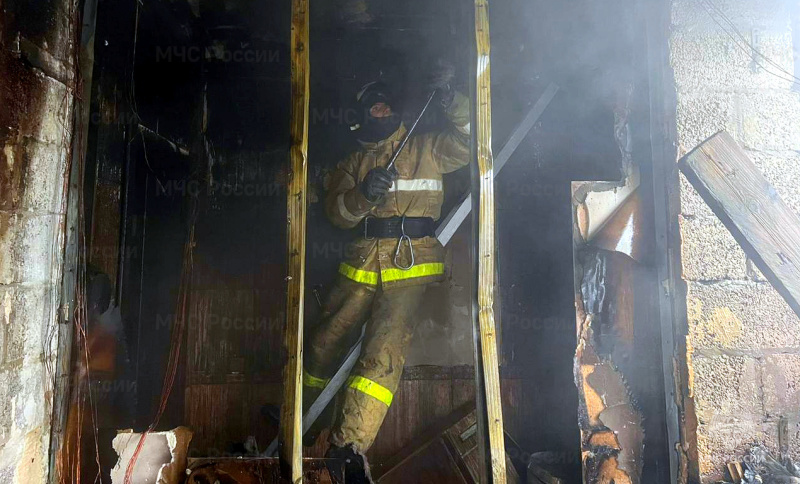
x=760, y=467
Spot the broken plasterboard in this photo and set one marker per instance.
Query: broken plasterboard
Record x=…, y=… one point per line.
x=162, y=459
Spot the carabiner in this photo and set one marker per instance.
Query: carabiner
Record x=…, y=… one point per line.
x=405, y=237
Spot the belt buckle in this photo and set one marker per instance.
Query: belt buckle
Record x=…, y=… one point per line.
x=366, y=222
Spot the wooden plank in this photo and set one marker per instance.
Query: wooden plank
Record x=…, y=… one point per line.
x=291, y=411
x=435, y=464
x=461, y=441
x=489, y=402
x=766, y=228
x=420, y=443
x=456, y=435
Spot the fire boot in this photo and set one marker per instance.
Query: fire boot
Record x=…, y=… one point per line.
x=356, y=469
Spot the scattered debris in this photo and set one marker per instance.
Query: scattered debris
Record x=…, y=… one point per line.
x=760, y=466
x=234, y=470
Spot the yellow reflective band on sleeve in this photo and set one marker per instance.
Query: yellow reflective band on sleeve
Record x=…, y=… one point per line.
x=371, y=388
x=419, y=270
x=364, y=277
x=312, y=381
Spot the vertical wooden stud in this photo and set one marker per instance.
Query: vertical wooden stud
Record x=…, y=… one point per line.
x=292, y=411
x=489, y=376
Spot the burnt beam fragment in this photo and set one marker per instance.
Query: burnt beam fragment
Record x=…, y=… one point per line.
x=611, y=423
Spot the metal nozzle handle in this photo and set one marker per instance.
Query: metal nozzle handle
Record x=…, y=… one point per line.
x=390, y=166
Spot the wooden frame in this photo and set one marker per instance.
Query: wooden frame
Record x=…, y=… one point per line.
x=487, y=372
x=666, y=207
x=291, y=432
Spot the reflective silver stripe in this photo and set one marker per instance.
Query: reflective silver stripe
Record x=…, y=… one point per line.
x=419, y=185
x=464, y=129
x=344, y=212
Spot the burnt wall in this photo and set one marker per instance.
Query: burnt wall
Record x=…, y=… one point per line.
x=36, y=79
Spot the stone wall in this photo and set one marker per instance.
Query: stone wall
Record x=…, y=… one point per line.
x=35, y=124
x=744, y=339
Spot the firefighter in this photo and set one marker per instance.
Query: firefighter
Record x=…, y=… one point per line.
x=388, y=267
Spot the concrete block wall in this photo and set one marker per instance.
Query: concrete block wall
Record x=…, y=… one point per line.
x=745, y=340
x=35, y=124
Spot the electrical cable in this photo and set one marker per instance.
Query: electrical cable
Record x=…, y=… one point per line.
x=746, y=42
x=71, y=462
x=176, y=338
x=747, y=48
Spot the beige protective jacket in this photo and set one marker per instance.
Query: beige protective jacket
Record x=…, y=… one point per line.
x=416, y=193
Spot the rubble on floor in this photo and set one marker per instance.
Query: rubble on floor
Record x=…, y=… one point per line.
x=261, y=470
x=761, y=467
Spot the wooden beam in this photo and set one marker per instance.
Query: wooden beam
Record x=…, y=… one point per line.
x=766, y=228
x=664, y=180
x=489, y=404
x=291, y=454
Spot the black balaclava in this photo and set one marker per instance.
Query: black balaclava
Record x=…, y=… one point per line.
x=377, y=129
x=374, y=129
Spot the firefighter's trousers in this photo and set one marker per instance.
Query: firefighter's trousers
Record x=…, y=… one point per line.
x=368, y=393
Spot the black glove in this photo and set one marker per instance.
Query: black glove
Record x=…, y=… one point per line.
x=376, y=184
x=441, y=76
x=441, y=79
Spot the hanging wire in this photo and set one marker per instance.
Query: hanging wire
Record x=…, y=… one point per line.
x=743, y=44
x=752, y=48
x=132, y=92
x=79, y=388
x=134, y=103
x=176, y=337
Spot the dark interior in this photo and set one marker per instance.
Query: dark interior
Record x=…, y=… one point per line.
x=190, y=118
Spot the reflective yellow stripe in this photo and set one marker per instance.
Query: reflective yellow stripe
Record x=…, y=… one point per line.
x=389, y=275
x=364, y=277
x=375, y=390
x=419, y=270
x=312, y=381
